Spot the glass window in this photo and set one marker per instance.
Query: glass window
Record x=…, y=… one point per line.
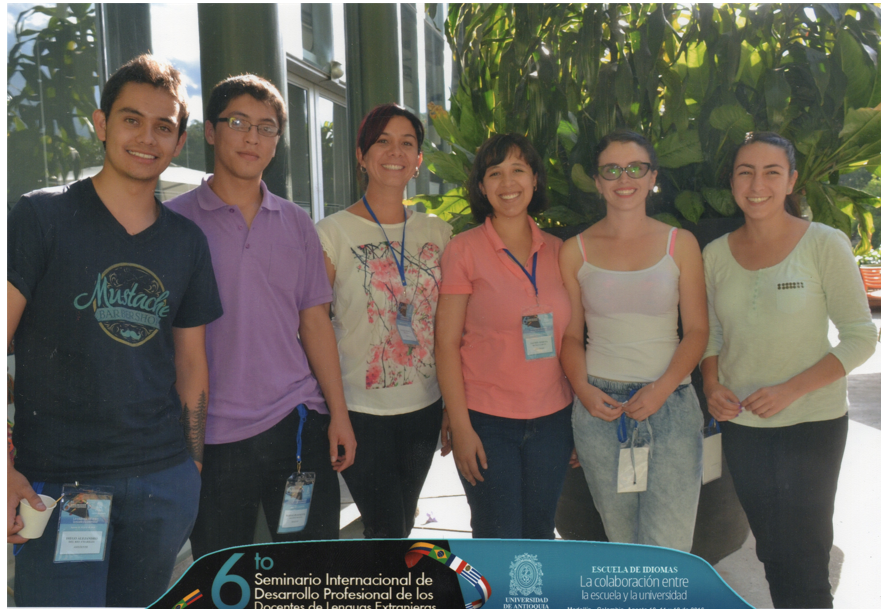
x=435, y=91
x=334, y=168
x=175, y=33
x=52, y=88
x=301, y=161
x=317, y=25
x=409, y=56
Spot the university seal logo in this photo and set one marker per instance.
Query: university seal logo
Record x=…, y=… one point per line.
x=525, y=575
x=128, y=301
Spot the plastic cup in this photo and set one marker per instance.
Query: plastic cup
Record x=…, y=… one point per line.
x=34, y=520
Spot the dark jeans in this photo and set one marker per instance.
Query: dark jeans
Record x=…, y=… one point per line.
x=526, y=461
x=786, y=479
x=393, y=458
x=238, y=475
x=150, y=519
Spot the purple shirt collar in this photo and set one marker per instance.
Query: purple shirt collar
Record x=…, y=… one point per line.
x=208, y=199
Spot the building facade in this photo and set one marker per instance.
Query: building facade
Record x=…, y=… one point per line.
x=332, y=62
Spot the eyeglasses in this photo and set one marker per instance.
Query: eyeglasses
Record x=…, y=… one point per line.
x=635, y=170
x=237, y=124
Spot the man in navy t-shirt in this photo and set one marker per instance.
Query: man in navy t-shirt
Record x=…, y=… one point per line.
x=108, y=296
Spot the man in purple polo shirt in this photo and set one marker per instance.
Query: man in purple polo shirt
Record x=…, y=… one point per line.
x=268, y=418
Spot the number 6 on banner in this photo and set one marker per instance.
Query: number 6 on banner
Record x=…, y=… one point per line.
x=223, y=577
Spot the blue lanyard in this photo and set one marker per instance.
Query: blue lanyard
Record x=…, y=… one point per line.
x=713, y=427
x=398, y=263
x=303, y=412
x=622, y=422
x=532, y=279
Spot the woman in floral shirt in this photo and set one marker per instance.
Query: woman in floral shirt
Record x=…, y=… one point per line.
x=383, y=261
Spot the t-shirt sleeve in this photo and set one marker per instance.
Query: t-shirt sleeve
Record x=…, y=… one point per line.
x=315, y=286
x=457, y=268
x=846, y=301
x=25, y=248
x=200, y=304
x=714, y=344
x=446, y=234
x=328, y=235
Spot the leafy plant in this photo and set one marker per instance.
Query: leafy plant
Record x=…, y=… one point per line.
x=870, y=258
x=52, y=87
x=692, y=78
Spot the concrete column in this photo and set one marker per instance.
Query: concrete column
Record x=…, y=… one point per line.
x=127, y=34
x=239, y=38
x=372, y=64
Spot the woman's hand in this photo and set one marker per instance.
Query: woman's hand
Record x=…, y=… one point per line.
x=573, y=460
x=721, y=401
x=768, y=401
x=446, y=435
x=601, y=405
x=645, y=402
x=468, y=452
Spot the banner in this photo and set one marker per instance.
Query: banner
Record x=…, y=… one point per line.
x=450, y=574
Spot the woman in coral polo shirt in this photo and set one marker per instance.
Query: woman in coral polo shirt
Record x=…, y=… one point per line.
x=500, y=322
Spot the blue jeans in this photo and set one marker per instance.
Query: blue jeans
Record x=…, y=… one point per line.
x=527, y=461
x=151, y=517
x=663, y=514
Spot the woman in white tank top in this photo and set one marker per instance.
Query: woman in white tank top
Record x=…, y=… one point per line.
x=629, y=278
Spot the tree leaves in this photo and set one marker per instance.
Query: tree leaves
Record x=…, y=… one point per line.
x=690, y=204
x=694, y=79
x=856, y=66
x=679, y=148
x=721, y=200
x=733, y=121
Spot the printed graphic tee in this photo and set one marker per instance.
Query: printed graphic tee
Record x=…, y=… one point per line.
x=95, y=374
x=381, y=374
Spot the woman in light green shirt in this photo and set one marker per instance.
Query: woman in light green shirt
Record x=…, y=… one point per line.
x=770, y=374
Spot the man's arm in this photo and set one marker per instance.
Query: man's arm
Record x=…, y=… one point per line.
x=191, y=365
x=319, y=343
x=17, y=486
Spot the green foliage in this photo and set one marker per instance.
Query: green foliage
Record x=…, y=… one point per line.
x=52, y=85
x=870, y=258
x=692, y=78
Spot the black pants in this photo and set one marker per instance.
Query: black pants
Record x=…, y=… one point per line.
x=786, y=479
x=391, y=464
x=238, y=475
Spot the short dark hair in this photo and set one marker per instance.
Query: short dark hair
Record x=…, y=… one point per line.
x=148, y=70
x=373, y=124
x=257, y=87
x=791, y=203
x=626, y=137
x=494, y=151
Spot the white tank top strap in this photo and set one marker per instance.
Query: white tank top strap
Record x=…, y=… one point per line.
x=671, y=240
x=581, y=246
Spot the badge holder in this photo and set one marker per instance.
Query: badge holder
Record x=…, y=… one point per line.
x=298, y=490
x=404, y=322
x=537, y=323
x=404, y=312
x=712, y=459
x=83, y=523
x=633, y=460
